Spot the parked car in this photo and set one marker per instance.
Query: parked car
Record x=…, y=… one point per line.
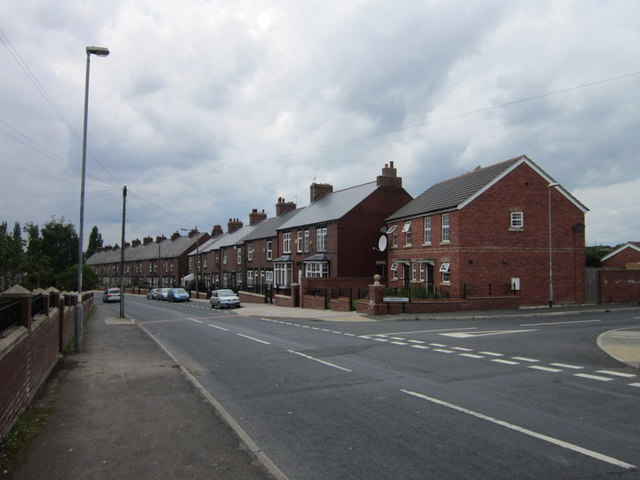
x=153, y=294
x=111, y=295
x=224, y=299
x=178, y=295
x=164, y=292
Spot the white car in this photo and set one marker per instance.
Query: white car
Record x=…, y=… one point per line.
x=111, y=295
x=224, y=299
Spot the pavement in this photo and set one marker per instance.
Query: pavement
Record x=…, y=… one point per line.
x=125, y=408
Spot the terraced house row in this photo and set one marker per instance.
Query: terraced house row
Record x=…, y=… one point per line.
x=506, y=229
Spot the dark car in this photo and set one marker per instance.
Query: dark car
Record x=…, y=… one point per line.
x=111, y=295
x=178, y=295
x=224, y=298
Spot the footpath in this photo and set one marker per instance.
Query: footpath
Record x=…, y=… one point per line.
x=123, y=408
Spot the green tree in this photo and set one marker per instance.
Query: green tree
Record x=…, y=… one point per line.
x=95, y=241
x=68, y=280
x=594, y=255
x=11, y=256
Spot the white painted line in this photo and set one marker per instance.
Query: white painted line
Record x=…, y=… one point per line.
x=558, y=323
x=493, y=354
x=194, y=320
x=399, y=343
x=219, y=328
x=333, y=365
x=526, y=431
x=634, y=384
x=427, y=331
x=416, y=341
x=506, y=362
x=593, y=377
x=483, y=334
x=253, y=339
x=315, y=328
x=349, y=334
x=471, y=355
x=380, y=340
x=526, y=359
x=544, y=369
x=566, y=365
x=437, y=345
x=325, y=330
x=422, y=347
x=442, y=350
x=462, y=349
x=617, y=374
x=397, y=338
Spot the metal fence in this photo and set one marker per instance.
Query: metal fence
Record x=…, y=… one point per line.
x=9, y=314
x=425, y=292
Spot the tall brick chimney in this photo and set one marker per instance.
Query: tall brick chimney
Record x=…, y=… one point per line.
x=216, y=230
x=147, y=240
x=283, y=206
x=389, y=177
x=233, y=225
x=160, y=238
x=175, y=235
x=319, y=189
x=135, y=243
x=256, y=217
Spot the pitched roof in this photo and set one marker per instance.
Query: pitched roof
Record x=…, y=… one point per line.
x=331, y=206
x=268, y=228
x=632, y=245
x=457, y=192
x=224, y=240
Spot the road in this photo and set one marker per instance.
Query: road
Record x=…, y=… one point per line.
x=447, y=399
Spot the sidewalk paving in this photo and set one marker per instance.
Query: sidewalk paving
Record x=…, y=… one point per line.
x=124, y=409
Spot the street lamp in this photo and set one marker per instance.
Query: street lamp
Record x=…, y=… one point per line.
x=101, y=52
x=197, y=269
x=551, y=185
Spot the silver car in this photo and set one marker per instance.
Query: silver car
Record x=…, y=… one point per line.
x=224, y=299
x=111, y=295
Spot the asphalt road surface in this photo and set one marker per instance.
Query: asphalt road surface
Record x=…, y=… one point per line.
x=450, y=399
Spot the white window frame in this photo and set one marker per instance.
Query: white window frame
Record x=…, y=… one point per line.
x=517, y=220
x=282, y=274
x=307, y=241
x=427, y=231
x=299, y=235
x=393, y=231
x=249, y=252
x=446, y=228
x=406, y=229
x=321, y=239
x=394, y=271
x=269, y=249
x=239, y=256
x=316, y=269
x=286, y=242
x=445, y=272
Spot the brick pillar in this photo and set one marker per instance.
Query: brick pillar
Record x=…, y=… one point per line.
x=376, y=294
x=23, y=295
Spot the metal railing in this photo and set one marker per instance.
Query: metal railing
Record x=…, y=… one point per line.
x=9, y=314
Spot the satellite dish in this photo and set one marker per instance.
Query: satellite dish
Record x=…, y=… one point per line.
x=383, y=229
x=382, y=243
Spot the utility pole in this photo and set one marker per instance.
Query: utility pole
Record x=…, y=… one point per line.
x=124, y=210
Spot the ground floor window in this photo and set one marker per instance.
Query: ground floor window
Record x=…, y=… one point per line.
x=316, y=269
x=283, y=273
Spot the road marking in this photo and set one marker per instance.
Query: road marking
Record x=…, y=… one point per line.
x=399, y=343
x=471, y=355
x=526, y=359
x=349, y=334
x=545, y=369
x=329, y=364
x=566, y=365
x=254, y=339
x=616, y=374
x=557, y=323
x=526, y=431
x=422, y=347
x=219, y=328
x=462, y=349
x=194, y=320
x=506, y=362
x=492, y=354
x=424, y=331
x=593, y=377
x=483, y=334
x=437, y=345
x=634, y=384
x=416, y=341
x=442, y=350
x=380, y=340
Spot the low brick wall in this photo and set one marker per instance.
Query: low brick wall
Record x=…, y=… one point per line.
x=438, y=306
x=248, y=297
x=314, y=302
x=619, y=286
x=342, y=304
x=283, y=301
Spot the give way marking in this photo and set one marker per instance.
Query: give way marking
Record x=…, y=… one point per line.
x=485, y=333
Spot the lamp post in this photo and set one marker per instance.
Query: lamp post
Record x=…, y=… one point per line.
x=197, y=269
x=101, y=52
x=550, y=186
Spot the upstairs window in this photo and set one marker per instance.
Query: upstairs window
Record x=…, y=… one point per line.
x=406, y=229
x=299, y=241
x=286, y=242
x=249, y=253
x=393, y=231
x=446, y=234
x=427, y=230
x=321, y=240
x=306, y=241
x=269, y=250
x=517, y=220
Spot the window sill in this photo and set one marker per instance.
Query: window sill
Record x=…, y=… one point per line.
x=445, y=242
x=516, y=229
x=446, y=284
x=426, y=244
x=408, y=245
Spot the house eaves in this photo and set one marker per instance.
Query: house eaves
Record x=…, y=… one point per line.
x=632, y=245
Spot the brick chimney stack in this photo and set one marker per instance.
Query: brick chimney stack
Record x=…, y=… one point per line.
x=283, y=206
x=256, y=217
x=160, y=238
x=175, y=235
x=233, y=225
x=389, y=177
x=135, y=243
x=317, y=190
x=217, y=230
x=147, y=240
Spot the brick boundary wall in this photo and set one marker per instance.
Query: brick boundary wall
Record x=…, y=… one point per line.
x=619, y=286
x=29, y=354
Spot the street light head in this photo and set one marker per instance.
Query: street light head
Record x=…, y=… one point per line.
x=100, y=51
x=554, y=184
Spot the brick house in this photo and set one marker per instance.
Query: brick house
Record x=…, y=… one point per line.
x=488, y=232
x=627, y=256
x=335, y=235
x=147, y=264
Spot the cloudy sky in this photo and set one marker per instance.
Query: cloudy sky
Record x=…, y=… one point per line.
x=208, y=109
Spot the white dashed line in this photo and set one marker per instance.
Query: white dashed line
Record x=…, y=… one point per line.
x=416, y=341
x=309, y=357
x=462, y=349
x=380, y=340
x=526, y=359
x=544, y=369
x=634, y=384
x=616, y=374
x=492, y=354
x=399, y=343
x=437, y=345
x=442, y=350
x=421, y=347
x=566, y=365
x=253, y=339
x=506, y=362
x=194, y=320
x=471, y=355
x=219, y=328
x=593, y=377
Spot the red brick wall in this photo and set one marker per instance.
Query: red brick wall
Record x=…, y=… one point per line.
x=619, y=286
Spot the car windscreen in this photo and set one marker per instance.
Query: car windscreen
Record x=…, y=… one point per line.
x=226, y=293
